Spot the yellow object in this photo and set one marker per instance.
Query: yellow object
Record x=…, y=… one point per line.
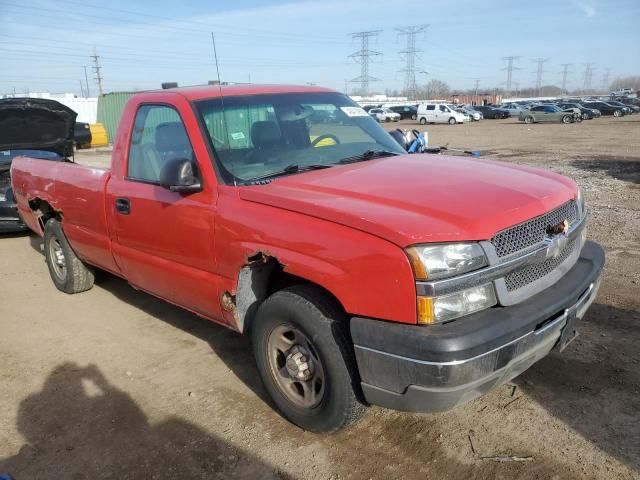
x=98, y=135
x=419, y=270
x=325, y=142
x=426, y=314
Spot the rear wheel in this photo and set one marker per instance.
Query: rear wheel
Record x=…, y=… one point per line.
x=68, y=272
x=305, y=359
x=452, y=121
x=528, y=119
x=414, y=117
x=566, y=119
x=423, y=121
x=617, y=113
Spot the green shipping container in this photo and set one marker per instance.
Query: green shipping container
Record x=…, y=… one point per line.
x=110, y=107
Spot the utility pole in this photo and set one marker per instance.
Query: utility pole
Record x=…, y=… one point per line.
x=86, y=81
x=477, y=83
x=605, y=80
x=509, y=68
x=539, y=71
x=410, y=85
x=588, y=75
x=565, y=71
x=81, y=89
x=362, y=56
x=96, y=70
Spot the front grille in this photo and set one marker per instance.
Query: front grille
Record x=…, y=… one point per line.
x=530, y=273
x=525, y=235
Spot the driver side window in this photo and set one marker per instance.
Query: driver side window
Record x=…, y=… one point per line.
x=158, y=136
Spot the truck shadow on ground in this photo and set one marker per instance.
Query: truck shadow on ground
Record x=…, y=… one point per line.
x=594, y=385
x=625, y=170
x=79, y=426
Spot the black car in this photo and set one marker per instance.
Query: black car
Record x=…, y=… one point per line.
x=628, y=109
x=35, y=127
x=491, y=112
x=587, y=113
x=406, y=112
x=605, y=108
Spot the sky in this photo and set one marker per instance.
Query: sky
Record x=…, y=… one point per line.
x=44, y=44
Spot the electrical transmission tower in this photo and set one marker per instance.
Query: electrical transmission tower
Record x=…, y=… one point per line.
x=362, y=56
x=539, y=71
x=477, y=84
x=96, y=69
x=588, y=75
x=565, y=72
x=605, y=80
x=509, y=68
x=410, y=54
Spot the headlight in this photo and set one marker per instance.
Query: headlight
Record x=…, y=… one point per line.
x=580, y=203
x=433, y=262
x=455, y=305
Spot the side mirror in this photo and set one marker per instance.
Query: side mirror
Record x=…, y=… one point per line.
x=180, y=175
x=402, y=138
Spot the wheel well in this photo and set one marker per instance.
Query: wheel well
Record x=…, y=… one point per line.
x=261, y=277
x=44, y=211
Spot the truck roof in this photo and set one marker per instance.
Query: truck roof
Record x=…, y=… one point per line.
x=213, y=91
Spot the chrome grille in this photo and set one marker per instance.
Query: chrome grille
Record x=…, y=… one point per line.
x=530, y=273
x=523, y=236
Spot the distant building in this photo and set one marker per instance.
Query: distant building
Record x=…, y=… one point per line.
x=86, y=108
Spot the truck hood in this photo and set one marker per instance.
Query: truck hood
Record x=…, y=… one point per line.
x=36, y=124
x=411, y=199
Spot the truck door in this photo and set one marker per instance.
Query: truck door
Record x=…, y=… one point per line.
x=163, y=240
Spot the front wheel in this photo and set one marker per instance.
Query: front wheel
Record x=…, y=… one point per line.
x=528, y=119
x=305, y=359
x=452, y=121
x=566, y=119
x=68, y=272
x=617, y=113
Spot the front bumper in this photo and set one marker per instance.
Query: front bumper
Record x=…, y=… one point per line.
x=10, y=220
x=438, y=367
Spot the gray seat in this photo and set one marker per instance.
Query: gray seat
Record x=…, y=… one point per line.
x=267, y=141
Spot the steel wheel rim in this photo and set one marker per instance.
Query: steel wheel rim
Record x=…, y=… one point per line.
x=57, y=259
x=295, y=366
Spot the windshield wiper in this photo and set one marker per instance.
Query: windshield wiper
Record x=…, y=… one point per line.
x=368, y=155
x=288, y=170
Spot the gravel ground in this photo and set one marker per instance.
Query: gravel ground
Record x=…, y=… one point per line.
x=113, y=383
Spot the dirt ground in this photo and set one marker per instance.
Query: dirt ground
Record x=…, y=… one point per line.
x=113, y=383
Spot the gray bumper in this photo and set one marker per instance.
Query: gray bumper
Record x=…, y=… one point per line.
x=457, y=370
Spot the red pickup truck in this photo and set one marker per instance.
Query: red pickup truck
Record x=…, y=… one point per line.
x=363, y=274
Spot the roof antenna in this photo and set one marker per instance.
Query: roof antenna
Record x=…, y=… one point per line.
x=224, y=116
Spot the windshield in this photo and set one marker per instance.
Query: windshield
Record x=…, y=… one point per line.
x=259, y=135
x=6, y=156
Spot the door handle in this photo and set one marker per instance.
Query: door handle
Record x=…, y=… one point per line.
x=123, y=206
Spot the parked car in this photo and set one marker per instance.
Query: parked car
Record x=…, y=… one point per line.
x=605, y=108
x=586, y=113
x=39, y=128
x=547, y=113
x=491, y=112
x=438, y=113
x=475, y=115
x=363, y=275
x=384, y=115
x=513, y=108
x=406, y=112
x=627, y=109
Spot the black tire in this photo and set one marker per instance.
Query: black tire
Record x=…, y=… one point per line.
x=586, y=116
x=423, y=121
x=307, y=310
x=567, y=119
x=68, y=272
x=617, y=113
x=452, y=121
x=528, y=119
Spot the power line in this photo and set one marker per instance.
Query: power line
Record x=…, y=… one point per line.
x=410, y=53
x=96, y=70
x=565, y=72
x=588, y=75
x=509, y=68
x=539, y=71
x=362, y=56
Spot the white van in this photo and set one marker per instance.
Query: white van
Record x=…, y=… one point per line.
x=438, y=113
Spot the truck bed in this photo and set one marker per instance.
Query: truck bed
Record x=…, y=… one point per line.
x=76, y=193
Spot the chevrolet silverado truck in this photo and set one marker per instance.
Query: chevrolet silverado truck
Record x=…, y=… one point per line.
x=364, y=275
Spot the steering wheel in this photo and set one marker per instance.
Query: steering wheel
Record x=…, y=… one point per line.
x=326, y=136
